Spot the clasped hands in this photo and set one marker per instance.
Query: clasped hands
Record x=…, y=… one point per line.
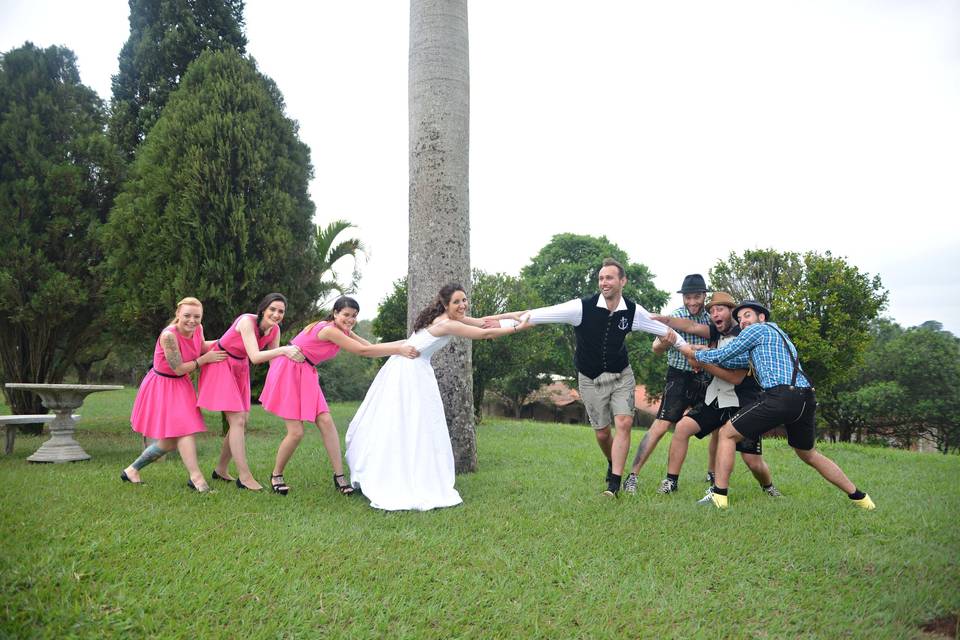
x=522, y=317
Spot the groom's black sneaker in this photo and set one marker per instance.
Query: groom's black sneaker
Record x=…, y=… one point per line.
x=613, y=486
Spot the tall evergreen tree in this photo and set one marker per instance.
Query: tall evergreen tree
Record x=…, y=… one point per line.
x=215, y=204
x=165, y=37
x=58, y=176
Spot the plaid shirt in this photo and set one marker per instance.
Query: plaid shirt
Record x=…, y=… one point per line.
x=674, y=358
x=763, y=343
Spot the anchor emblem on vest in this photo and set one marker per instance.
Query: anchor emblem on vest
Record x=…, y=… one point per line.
x=622, y=325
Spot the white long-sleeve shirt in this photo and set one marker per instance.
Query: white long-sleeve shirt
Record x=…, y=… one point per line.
x=572, y=313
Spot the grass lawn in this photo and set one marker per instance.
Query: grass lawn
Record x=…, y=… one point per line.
x=534, y=551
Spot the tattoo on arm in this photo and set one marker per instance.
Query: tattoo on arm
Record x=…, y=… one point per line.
x=171, y=351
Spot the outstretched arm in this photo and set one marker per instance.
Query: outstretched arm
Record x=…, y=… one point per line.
x=659, y=347
x=570, y=312
x=456, y=328
x=476, y=322
x=345, y=342
x=359, y=338
x=686, y=325
x=739, y=345
x=171, y=351
x=643, y=322
x=246, y=328
x=733, y=376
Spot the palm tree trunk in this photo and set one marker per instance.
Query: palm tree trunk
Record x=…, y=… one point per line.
x=439, y=245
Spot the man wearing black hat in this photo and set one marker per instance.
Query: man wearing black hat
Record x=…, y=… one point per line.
x=601, y=323
x=684, y=388
x=733, y=386
x=787, y=399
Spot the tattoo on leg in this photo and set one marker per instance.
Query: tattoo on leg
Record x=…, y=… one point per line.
x=150, y=454
x=641, y=448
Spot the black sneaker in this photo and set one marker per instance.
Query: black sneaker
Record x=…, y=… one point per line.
x=630, y=484
x=667, y=486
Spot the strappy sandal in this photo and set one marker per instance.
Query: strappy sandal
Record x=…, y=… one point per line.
x=344, y=489
x=278, y=485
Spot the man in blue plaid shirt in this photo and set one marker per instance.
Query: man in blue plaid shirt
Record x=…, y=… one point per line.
x=787, y=399
x=684, y=387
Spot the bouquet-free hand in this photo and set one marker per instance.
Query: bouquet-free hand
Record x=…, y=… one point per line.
x=293, y=352
x=211, y=356
x=408, y=351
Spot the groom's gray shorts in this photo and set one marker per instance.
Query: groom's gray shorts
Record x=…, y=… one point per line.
x=609, y=395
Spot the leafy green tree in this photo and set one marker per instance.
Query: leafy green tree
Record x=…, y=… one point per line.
x=864, y=405
x=758, y=274
x=924, y=363
x=58, y=175
x=515, y=366
x=216, y=205
x=391, y=321
x=825, y=304
x=906, y=389
x=165, y=37
x=567, y=268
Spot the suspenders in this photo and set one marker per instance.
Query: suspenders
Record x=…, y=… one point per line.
x=793, y=357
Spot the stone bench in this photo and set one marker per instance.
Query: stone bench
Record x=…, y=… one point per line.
x=11, y=423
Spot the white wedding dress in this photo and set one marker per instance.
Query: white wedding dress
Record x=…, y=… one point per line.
x=398, y=446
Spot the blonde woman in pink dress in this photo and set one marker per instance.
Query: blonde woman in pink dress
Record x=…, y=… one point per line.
x=225, y=386
x=166, y=405
x=292, y=389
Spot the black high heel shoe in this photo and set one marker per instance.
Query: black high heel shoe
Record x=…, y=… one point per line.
x=126, y=478
x=201, y=489
x=240, y=485
x=344, y=489
x=279, y=487
x=217, y=476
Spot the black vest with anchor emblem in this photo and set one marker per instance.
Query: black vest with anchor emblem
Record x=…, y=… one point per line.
x=600, y=337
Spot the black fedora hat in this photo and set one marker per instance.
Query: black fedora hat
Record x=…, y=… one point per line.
x=751, y=304
x=693, y=283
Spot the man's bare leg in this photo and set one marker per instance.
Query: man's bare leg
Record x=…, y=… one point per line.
x=712, y=456
x=649, y=443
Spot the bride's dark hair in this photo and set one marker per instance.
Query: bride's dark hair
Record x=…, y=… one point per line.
x=438, y=306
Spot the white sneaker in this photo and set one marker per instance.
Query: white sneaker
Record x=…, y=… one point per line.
x=707, y=498
x=630, y=484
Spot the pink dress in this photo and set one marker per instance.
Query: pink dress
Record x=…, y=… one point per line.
x=225, y=385
x=292, y=389
x=166, y=404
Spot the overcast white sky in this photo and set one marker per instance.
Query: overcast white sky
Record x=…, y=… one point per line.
x=682, y=131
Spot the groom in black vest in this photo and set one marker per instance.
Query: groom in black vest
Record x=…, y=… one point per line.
x=601, y=323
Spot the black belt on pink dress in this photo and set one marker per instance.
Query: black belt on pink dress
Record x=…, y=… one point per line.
x=165, y=375
x=222, y=348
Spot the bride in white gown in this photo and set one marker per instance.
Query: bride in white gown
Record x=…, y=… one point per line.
x=398, y=447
